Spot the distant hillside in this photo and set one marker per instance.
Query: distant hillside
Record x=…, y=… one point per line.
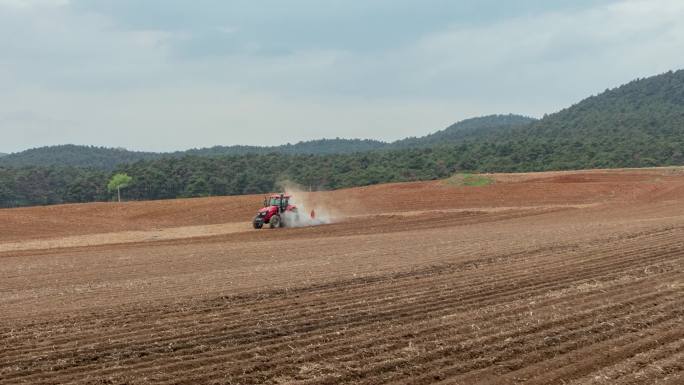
x=474, y=128
x=108, y=158
x=73, y=155
x=639, y=124
x=313, y=147
x=2, y=154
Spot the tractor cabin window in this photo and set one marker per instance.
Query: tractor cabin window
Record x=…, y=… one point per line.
x=276, y=202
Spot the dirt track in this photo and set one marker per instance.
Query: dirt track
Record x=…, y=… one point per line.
x=574, y=278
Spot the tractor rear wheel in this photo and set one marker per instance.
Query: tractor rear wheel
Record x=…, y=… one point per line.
x=275, y=221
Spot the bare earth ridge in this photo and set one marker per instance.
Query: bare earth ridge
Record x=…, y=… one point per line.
x=541, y=278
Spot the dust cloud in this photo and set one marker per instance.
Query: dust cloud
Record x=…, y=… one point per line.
x=311, y=210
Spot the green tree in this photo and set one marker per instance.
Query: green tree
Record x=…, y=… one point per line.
x=118, y=182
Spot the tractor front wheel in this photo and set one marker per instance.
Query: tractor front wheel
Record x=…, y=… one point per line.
x=275, y=221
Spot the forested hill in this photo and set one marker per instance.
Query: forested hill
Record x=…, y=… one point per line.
x=312, y=147
x=2, y=154
x=73, y=155
x=649, y=107
x=108, y=158
x=473, y=129
x=639, y=124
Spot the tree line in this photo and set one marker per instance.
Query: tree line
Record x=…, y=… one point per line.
x=195, y=176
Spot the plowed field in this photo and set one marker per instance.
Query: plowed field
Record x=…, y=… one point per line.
x=548, y=278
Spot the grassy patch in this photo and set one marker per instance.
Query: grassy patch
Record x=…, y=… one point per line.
x=469, y=180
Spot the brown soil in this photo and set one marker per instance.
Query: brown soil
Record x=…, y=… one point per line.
x=574, y=278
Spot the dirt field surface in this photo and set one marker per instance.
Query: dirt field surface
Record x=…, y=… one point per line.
x=545, y=278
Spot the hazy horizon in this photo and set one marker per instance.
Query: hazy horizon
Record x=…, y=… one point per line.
x=223, y=145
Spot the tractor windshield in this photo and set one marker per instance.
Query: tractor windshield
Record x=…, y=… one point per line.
x=276, y=202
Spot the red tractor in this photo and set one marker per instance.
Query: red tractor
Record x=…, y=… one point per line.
x=277, y=212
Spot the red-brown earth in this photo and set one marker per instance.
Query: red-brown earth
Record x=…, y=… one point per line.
x=541, y=278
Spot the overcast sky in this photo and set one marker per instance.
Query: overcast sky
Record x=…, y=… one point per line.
x=168, y=75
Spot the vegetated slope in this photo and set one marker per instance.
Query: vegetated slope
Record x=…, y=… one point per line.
x=104, y=158
x=472, y=129
x=312, y=147
x=639, y=124
x=2, y=154
x=108, y=158
x=74, y=155
x=70, y=174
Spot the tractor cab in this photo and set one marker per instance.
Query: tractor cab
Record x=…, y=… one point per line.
x=275, y=206
x=278, y=200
